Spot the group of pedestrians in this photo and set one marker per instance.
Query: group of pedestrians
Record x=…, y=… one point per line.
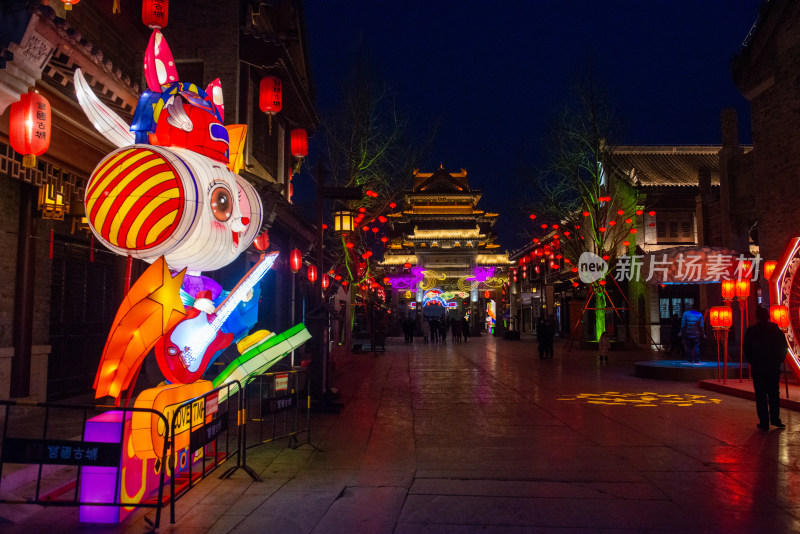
x=435, y=329
x=545, y=334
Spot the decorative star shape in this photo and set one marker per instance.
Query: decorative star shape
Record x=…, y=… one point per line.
x=168, y=294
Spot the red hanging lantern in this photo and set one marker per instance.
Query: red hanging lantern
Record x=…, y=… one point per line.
x=299, y=143
x=779, y=314
x=384, y=239
x=742, y=289
x=720, y=317
x=155, y=13
x=407, y=265
x=769, y=268
x=728, y=290
x=326, y=281
x=29, y=127
x=270, y=97
x=392, y=205
x=486, y=294
x=295, y=260
x=312, y=273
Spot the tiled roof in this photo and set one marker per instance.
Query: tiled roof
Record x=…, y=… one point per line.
x=667, y=165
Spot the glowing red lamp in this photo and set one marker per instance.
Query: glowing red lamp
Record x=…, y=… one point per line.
x=486, y=294
x=295, y=260
x=392, y=205
x=29, y=127
x=270, y=97
x=155, y=13
x=769, y=268
x=312, y=273
x=728, y=290
x=407, y=265
x=261, y=242
x=326, y=281
x=779, y=314
x=742, y=289
x=720, y=317
x=299, y=143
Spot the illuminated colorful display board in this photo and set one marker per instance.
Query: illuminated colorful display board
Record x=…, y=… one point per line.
x=170, y=195
x=784, y=288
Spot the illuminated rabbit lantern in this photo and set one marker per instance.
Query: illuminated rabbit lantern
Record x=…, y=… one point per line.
x=169, y=190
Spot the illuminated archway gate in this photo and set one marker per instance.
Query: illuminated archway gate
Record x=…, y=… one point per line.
x=784, y=288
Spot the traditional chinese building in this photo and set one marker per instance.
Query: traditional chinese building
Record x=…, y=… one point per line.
x=443, y=250
x=691, y=198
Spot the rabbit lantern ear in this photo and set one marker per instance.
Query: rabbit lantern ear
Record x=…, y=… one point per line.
x=214, y=95
x=159, y=65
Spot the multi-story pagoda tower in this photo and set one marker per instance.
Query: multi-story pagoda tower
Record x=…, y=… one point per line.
x=442, y=247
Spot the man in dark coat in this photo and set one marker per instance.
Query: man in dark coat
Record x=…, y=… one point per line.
x=765, y=350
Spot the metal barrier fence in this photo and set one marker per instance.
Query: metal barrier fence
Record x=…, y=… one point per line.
x=95, y=453
x=198, y=436
x=273, y=401
x=219, y=439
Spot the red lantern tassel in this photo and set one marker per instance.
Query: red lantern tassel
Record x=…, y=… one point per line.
x=51, y=243
x=91, y=249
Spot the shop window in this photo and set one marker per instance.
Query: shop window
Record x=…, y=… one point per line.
x=674, y=228
x=669, y=306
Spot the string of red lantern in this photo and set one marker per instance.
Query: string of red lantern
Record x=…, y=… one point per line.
x=270, y=97
x=155, y=13
x=29, y=127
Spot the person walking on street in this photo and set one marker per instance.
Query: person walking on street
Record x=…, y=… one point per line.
x=465, y=329
x=541, y=335
x=765, y=349
x=675, y=344
x=426, y=330
x=603, y=346
x=551, y=335
x=693, y=333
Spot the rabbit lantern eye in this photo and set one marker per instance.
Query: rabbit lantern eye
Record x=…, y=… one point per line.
x=221, y=204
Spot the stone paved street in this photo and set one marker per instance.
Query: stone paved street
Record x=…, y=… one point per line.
x=485, y=437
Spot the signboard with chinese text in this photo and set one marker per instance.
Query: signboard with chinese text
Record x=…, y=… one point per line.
x=61, y=452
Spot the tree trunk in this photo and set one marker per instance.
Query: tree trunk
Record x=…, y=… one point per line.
x=599, y=312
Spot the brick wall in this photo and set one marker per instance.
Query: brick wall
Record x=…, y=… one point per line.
x=768, y=74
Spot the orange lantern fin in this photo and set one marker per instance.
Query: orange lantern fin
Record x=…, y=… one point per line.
x=151, y=307
x=237, y=133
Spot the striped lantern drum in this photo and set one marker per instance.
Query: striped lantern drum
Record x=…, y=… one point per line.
x=148, y=201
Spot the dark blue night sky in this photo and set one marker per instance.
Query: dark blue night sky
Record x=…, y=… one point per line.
x=494, y=72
